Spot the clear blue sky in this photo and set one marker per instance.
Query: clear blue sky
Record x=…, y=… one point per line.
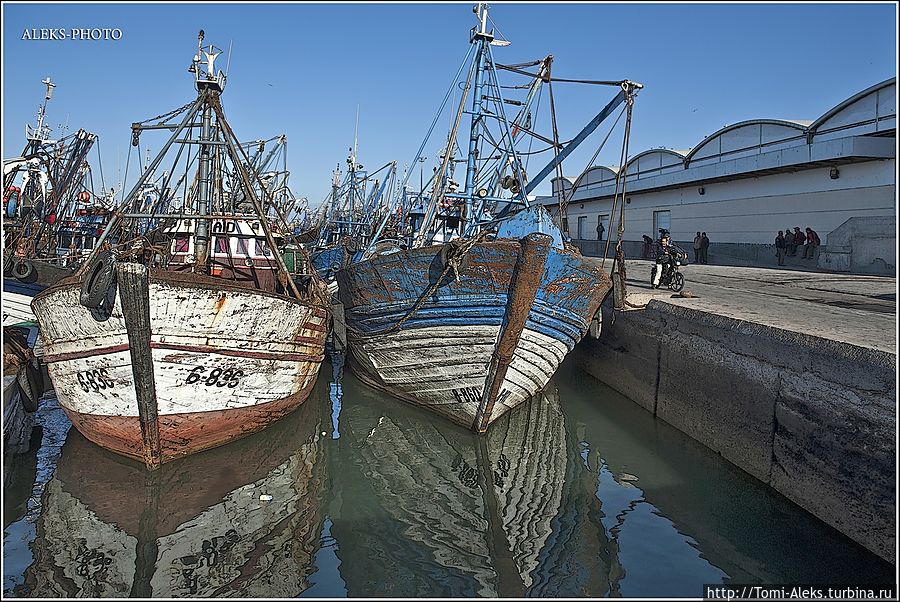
x=302, y=69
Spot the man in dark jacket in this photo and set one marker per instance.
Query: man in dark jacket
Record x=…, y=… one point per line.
x=812, y=241
x=789, y=242
x=780, y=247
x=799, y=238
x=704, y=249
x=664, y=252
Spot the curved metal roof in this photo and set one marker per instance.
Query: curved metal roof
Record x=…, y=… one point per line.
x=681, y=154
x=800, y=125
x=840, y=107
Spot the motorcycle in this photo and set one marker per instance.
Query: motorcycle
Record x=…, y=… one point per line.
x=671, y=278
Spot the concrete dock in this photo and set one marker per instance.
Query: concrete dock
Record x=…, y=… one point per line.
x=790, y=375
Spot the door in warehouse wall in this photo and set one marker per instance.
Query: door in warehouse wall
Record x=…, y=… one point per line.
x=604, y=219
x=582, y=227
x=660, y=221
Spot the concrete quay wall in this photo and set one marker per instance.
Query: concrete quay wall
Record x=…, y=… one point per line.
x=811, y=417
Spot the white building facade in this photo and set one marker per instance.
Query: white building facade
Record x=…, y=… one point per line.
x=744, y=183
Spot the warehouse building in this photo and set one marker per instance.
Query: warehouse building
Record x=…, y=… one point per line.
x=835, y=174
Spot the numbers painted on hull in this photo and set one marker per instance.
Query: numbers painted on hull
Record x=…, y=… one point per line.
x=473, y=395
x=94, y=380
x=217, y=377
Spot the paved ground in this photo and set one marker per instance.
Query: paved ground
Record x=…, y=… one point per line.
x=860, y=310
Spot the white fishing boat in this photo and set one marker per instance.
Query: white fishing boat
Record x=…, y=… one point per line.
x=187, y=331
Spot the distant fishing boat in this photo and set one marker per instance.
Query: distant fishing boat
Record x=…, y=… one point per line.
x=210, y=337
x=475, y=310
x=355, y=204
x=51, y=218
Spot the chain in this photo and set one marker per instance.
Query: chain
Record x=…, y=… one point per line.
x=169, y=114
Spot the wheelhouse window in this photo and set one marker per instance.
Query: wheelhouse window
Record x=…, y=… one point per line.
x=182, y=243
x=262, y=247
x=241, y=248
x=220, y=247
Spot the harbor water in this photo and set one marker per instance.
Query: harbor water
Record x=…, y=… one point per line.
x=579, y=492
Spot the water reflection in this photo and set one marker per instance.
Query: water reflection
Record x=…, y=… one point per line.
x=579, y=492
x=450, y=512
x=681, y=516
x=196, y=527
x=336, y=391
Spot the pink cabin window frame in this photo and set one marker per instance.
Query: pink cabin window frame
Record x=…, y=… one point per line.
x=182, y=243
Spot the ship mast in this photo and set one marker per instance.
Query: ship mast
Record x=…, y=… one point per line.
x=482, y=38
x=40, y=134
x=209, y=86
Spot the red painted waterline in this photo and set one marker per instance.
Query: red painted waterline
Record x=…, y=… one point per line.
x=184, y=434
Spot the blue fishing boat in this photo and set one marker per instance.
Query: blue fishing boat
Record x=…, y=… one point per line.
x=472, y=312
x=51, y=216
x=354, y=204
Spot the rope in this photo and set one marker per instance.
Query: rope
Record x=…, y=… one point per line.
x=453, y=261
x=620, y=253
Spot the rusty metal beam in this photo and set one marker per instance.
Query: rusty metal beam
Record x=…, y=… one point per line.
x=526, y=279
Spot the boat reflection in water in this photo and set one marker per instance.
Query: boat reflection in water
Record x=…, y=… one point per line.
x=199, y=526
x=588, y=496
x=458, y=514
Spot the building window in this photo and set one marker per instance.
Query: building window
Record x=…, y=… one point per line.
x=582, y=227
x=660, y=221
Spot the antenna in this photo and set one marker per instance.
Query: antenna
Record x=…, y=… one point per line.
x=50, y=85
x=228, y=62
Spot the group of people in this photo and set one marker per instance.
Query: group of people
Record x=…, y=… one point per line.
x=701, y=248
x=787, y=243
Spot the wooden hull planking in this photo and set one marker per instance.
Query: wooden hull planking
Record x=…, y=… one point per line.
x=227, y=362
x=440, y=356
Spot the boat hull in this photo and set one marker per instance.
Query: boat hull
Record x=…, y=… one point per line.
x=17, y=298
x=441, y=353
x=227, y=361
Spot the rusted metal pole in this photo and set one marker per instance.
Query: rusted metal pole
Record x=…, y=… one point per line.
x=134, y=293
x=526, y=279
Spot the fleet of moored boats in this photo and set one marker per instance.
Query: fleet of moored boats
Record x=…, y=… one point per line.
x=197, y=309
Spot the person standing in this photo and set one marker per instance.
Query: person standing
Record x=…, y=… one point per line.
x=780, y=247
x=704, y=248
x=812, y=241
x=697, y=240
x=648, y=247
x=600, y=230
x=799, y=238
x=789, y=242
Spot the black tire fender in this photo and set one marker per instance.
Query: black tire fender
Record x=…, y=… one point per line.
x=23, y=269
x=98, y=279
x=28, y=380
